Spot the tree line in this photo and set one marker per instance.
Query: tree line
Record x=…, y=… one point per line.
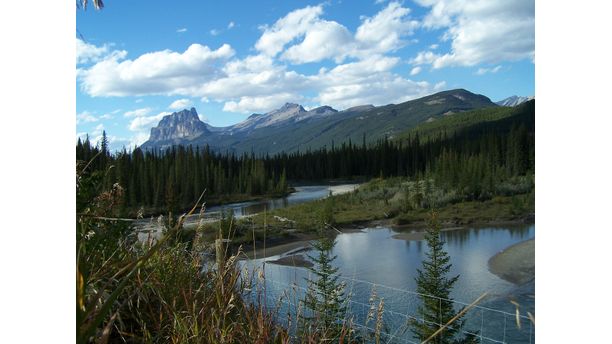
x=474, y=159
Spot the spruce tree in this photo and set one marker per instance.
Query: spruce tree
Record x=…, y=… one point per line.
x=434, y=287
x=325, y=298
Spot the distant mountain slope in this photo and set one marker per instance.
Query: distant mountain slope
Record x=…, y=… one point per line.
x=177, y=128
x=456, y=124
x=292, y=128
x=514, y=101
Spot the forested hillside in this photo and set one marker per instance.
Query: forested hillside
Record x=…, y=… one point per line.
x=473, y=151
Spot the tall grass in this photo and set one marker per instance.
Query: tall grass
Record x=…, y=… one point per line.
x=165, y=290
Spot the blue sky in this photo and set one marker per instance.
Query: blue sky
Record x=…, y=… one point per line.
x=140, y=60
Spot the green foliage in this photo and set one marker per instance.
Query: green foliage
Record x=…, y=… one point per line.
x=434, y=287
x=472, y=164
x=325, y=298
x=154, y=292
x=327, y=216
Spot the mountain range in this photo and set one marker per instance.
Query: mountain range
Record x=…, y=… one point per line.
x=514, y=100
x=291, y=127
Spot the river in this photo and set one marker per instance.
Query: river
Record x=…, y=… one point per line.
x=374, y=260
x=241, y=209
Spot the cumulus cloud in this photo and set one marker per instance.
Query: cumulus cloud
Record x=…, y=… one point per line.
x=138, y=112
x=144, y=123
x=323, y=40
x=162, y=72
x=317, y=39
x=415, y=70
x=230, y=25
x=86, y=52
x=286, y=29
x=369, y=81
x=181, y=30
x=482, y=31
x=482, y=71
x=383, y=32
x=254, y=76
x=180, y=104
x=86, y=117
x=263, y=81
x=261, y=103
x=214, y=32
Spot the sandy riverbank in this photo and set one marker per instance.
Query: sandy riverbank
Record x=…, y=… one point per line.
x=297, y=260
x=342, y=189
x=275, y=250
x=515, y=264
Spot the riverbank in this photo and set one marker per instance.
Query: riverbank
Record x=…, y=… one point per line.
x=515, y=264
x=295, y=260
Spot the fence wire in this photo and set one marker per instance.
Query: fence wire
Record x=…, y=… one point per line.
x=489, y=325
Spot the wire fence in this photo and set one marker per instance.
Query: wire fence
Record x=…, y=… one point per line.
x=398, y=315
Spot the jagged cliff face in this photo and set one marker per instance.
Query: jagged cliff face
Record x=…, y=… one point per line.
x=179, y=125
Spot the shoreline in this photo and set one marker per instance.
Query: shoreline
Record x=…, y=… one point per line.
x=516, y=263
x=284, y=246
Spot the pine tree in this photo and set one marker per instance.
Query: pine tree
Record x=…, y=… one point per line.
x=325, y=298
x=434, y=287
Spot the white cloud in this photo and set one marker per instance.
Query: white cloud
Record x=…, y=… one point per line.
x=161, y=72
x=181, y=30
x=86, y=117
x=482, y=30
x=482, y=71
x=286, y=29
x=262, y=81
x=415, y=70
x=368, y=81
x=230, y=25
x=107, y=116
x=318, y=39
x=383, y=32
x=326, y=39
x=180, y=104
x=138, y=112
x=138, y=139
x=253, y=76
x=86, y=52
x=425, y=57
x=144, y=123
x=260, y=103
x=433, y=46
x=215, y=32
x=97, y=132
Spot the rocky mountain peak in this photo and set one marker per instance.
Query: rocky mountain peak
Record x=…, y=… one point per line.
x=183, y=124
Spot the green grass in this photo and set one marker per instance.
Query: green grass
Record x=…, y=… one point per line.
x=384, y=199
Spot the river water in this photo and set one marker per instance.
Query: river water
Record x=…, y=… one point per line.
x=302, y=194
x=150, y=226
x=374, y=260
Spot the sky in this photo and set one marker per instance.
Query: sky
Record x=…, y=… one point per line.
x=138, y=61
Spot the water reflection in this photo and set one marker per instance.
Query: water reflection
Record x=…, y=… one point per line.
x=373, y=259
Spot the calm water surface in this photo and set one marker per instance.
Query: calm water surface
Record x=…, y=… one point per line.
x=373, y=259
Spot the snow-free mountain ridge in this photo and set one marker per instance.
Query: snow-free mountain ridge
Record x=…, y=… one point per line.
x=291, y=127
